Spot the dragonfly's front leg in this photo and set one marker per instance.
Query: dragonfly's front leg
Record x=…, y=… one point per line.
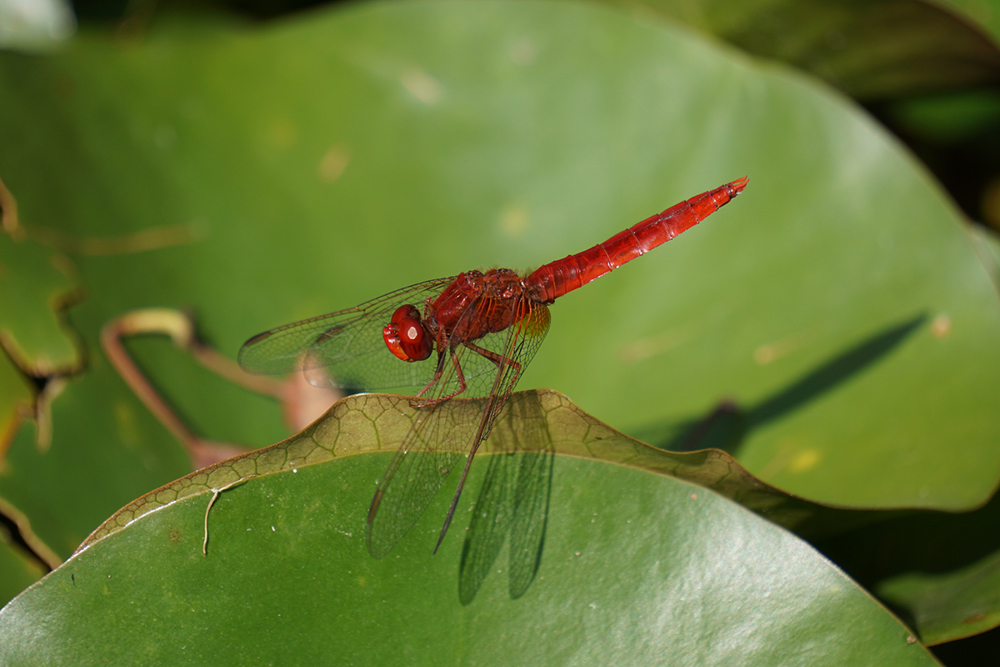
x=498, y=359
x=445, y=351
x=462, y=386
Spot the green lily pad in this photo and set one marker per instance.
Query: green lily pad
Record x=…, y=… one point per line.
x=987, y=242
x=621, y=547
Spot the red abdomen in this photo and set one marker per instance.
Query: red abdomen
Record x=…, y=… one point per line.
x=553, y=280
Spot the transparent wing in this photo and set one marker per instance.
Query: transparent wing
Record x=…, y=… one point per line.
x=446, y=434
x=435, y=445
x=348, y=342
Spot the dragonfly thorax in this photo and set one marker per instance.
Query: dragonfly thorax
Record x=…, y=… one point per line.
x=477, y=303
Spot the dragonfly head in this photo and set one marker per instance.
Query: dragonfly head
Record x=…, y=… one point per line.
x=405, y=335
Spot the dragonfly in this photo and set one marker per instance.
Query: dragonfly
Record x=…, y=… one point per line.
x=450, y=339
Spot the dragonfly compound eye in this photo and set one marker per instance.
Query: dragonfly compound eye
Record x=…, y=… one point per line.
x=405, y=335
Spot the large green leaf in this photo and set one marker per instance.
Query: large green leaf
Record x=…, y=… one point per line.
x=670, y=569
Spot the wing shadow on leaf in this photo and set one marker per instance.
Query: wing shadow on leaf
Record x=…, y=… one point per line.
x=513, y=500
x=727, y=425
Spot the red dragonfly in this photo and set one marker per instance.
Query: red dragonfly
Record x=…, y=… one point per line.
x=476, y=331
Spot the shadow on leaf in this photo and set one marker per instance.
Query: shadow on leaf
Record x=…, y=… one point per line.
x=728, y=425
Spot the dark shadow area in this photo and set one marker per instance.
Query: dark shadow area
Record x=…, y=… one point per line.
x=142, y=10
x=921, y=541
x=983, y=649
x=10, y=533
x=728, y=424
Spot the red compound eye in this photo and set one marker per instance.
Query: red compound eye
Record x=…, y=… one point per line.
x=405, y=335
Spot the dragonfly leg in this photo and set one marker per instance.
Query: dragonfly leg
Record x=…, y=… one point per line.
x=497, y=359
x=434, y=380
x=495, y=403
x=437, y=376
x=442, y=344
